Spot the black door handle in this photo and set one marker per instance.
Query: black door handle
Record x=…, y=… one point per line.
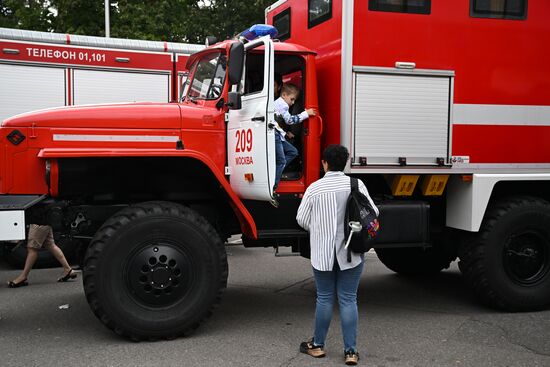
x=258, y=118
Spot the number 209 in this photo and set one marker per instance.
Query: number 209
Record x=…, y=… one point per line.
x=244, y=140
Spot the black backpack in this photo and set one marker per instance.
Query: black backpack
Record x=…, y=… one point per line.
x=359, y=209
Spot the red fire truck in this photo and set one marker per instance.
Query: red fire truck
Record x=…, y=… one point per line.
x=43, y=70
x=442, y=105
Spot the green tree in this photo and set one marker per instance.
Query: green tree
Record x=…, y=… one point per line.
x=24, y=14
x=224, y=18
x=169, y=20
x=83, y=17
x=151, y=20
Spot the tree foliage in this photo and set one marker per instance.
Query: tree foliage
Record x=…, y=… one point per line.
x=169, y=20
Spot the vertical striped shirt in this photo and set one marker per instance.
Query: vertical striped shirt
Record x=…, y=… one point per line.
x=322, y=213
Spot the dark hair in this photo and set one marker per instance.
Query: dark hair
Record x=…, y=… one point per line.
x=279, y=79
x=336, y=156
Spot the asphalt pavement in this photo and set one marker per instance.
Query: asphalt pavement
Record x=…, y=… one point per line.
x=267, y=310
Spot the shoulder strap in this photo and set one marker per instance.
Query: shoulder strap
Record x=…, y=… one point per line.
x=354, y=184
x=354, y=188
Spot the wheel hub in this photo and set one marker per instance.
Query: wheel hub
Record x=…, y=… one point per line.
x=159, y=274
x=526, y=257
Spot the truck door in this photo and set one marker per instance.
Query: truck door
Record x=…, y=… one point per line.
x=251, y=140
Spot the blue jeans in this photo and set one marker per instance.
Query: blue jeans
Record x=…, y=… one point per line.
x=344, y=283
x=284, y=154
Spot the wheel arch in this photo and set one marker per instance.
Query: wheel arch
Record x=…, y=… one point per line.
x=171, y=173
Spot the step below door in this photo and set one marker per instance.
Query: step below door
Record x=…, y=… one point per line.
x=401, y=117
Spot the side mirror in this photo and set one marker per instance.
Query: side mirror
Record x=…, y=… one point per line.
x=236, y=61
x=234, y=101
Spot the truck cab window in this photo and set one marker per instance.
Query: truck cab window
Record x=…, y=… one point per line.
x=209, y=77
x=281, y=21
x=401, y=6
x=500, y=9
x=318, y=12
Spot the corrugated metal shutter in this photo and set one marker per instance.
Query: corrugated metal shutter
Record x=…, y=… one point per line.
x=401, y=116
x=28, y=88
x=93, y=86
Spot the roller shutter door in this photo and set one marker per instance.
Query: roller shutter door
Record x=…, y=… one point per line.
x=96, y=86
x=28, y=88
x=401, y=116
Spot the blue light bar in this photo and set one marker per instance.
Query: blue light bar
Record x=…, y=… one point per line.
x=259, y=30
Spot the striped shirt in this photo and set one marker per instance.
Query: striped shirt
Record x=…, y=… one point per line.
x=322, y=213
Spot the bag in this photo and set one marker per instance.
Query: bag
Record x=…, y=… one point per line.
x=359, y=209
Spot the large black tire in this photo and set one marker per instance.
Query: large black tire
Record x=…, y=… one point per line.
x=17, y=255
x=415, y=261
x=507, y=263
x=155, y=270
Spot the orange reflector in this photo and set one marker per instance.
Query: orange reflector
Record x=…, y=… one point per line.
x=249, y=177
x=467, y=178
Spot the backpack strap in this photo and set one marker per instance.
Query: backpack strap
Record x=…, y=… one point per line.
x=354, y=188
x=354, y=184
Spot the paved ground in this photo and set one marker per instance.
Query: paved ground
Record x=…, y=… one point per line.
x=266, y=311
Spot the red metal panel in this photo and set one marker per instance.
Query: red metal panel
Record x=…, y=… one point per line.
x=496, y=61
x=83, y=56
x=502, y=144
x=248, y=226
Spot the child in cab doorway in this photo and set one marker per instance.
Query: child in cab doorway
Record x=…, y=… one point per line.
x=284, y=151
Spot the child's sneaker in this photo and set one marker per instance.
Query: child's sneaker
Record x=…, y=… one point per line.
x=351, y=358
x=316, y=351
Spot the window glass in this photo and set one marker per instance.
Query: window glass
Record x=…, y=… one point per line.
x=184, y=84
x=208, y=77
x=281, y=21
x=401, y=6
x=319, y=11
x=503, y=9
x=254, y=72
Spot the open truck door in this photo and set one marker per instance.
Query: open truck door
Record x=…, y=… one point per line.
x=250, y=132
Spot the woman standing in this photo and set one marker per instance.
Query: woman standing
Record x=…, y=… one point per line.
x=322, y=213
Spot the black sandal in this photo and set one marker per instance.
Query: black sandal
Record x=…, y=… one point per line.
x=70, y=275
x=23, y=283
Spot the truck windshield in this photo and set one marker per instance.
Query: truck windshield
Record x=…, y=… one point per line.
x=208, y=77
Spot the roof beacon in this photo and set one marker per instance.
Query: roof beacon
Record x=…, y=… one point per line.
x=259, y=30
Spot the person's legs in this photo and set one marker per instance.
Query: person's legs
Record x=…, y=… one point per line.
x=35, y=238
x=347, y=282
x=32, y=254
x=280, y=160
x=325, y=282
x=58, y=254
x=50, y=245
x=290, y=152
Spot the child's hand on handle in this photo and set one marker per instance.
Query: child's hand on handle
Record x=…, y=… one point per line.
x=311, y=112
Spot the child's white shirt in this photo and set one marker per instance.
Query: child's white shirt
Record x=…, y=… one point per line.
x=281, y=108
